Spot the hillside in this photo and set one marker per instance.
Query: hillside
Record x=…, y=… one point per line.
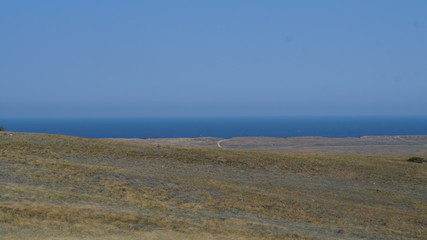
x=60, y=187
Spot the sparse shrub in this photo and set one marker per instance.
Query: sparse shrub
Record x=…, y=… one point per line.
x=1, y=128
x=417, y=160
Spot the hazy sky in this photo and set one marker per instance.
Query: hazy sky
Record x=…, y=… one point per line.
x=212, y=58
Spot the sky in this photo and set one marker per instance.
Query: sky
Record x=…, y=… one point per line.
x=104, y=58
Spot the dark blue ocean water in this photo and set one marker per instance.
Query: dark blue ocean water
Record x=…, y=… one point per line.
x=223, y=127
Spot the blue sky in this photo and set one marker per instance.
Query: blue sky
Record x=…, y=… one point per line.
x=212, y=58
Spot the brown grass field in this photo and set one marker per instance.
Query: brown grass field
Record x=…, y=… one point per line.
x=61, y=187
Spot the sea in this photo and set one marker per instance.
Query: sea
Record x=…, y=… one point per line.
x=222, y=127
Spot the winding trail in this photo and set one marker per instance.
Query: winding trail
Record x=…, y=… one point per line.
x=220, y=141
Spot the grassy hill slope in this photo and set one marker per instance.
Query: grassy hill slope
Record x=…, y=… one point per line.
x=60, y=187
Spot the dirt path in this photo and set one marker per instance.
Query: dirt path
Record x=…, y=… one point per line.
x=220, y=141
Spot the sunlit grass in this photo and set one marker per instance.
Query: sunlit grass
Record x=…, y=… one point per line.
x=62, y=187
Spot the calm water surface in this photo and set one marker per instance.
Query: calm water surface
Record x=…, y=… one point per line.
x=223, y=127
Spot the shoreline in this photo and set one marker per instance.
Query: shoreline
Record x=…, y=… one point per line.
x=409, y=145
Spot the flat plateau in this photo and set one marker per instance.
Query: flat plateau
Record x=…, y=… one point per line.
x=397, y=145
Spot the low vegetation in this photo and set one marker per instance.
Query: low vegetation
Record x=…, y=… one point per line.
x=1, y=128
x=417, y=160
x=59, y=187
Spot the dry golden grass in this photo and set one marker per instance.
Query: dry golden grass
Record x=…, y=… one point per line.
x=60, y=187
